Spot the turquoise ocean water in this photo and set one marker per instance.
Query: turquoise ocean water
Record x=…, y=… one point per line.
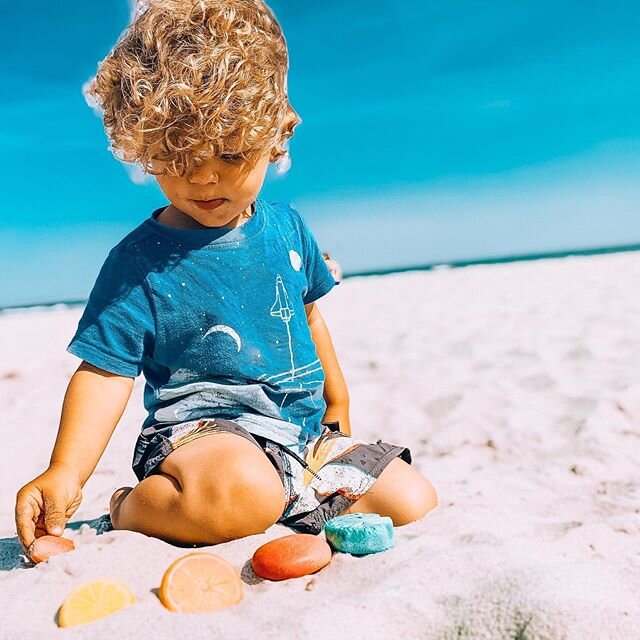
x=432, y=133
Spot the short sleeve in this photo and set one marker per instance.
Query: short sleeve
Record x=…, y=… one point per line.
x=117, y=329
x=319, y=277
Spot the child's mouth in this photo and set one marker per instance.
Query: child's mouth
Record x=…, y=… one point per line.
x=209, y=204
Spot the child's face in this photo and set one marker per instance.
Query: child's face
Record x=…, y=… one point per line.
x=236, y=181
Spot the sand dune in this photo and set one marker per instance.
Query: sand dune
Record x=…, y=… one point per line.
x=517, y=389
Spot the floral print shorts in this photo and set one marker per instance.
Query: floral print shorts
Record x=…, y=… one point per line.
x=332, y=472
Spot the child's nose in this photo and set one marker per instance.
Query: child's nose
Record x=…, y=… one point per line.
x=204, y=176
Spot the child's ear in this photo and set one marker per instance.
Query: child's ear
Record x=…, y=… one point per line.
x=291, y=120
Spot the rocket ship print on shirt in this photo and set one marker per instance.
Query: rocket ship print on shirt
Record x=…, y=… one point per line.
x=282, y=309
x=301, y=376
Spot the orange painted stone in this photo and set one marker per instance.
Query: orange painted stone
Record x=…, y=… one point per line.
x=291, y=557
x=200, y=582
x=44, y=547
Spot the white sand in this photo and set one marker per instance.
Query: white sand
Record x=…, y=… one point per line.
x=516, y=388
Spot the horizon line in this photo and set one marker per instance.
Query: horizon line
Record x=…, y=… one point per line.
x=433, y=266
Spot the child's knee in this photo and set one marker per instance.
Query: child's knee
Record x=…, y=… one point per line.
x=228, y=485
x=257, y=498
x=423, y=499
x=418, y=498
x=242, y=500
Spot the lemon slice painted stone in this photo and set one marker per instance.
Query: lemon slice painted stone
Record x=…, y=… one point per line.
x=94, y=600
x=200, y=582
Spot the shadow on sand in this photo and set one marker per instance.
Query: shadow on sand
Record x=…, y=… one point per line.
x=13, y=554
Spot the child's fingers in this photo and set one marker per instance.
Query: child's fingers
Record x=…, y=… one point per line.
x=27, y=512
x=55, y=508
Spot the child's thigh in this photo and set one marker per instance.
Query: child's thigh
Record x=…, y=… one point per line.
x=226, y=465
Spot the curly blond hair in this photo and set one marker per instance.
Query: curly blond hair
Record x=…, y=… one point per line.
x=188, y=79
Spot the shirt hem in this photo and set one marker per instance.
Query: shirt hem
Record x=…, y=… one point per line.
x=321, y=290
x=102, y=360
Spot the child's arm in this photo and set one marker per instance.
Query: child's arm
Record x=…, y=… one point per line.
x=93, y=404
x=336, y=394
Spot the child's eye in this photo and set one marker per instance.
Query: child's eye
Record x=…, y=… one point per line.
x=231, y=157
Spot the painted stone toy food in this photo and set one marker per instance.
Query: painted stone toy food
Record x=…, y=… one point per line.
x=44, y=547
x=94, y=600
x=291, y=557
x=360, y=533
x=200, y=582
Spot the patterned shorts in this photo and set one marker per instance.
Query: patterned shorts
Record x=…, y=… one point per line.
x=332, y=472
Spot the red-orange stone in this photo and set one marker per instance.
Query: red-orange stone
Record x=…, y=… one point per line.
x=43, y=548
x=291, y=557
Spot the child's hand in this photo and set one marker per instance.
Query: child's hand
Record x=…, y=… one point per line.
x=44, y=505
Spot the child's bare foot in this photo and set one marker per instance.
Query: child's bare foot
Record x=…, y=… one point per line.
x=116, y=500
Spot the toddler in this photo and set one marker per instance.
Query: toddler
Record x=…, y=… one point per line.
x=213, y=299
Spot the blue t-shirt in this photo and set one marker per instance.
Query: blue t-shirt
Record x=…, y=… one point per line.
x=215, y=320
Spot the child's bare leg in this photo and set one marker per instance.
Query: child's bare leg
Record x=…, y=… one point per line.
x=400, y=492
x=210, y=490
x=154, y=510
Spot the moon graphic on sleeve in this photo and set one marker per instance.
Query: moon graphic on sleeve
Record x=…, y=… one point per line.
x=225, y=329
x=296, y=260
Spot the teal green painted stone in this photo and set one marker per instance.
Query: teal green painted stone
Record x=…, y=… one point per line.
x=360, y=533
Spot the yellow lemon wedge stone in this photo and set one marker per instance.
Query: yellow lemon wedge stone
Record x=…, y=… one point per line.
x=200, y=582
x=94, y=600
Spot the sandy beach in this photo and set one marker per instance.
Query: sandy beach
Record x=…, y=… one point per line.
x=517, y=389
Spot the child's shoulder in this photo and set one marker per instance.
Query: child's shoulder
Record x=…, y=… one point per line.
x=134, y=241
x=286, y=213
x=288, y=221
x=279, y=207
